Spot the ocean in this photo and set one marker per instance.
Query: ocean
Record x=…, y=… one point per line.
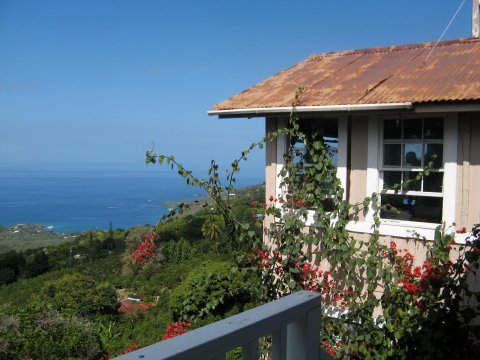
x=78, y=201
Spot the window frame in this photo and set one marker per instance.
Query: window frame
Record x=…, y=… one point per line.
x=374, y=182
x=404, y=228
x=409, y=169
x=283, y=143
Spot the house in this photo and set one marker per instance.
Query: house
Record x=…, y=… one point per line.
x=134, y=306
x=386, y=112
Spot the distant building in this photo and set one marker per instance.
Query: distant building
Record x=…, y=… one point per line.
x=129, y=306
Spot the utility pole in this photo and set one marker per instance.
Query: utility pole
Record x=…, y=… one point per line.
x=476, y=18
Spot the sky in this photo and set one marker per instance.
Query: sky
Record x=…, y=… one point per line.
x=89, y=85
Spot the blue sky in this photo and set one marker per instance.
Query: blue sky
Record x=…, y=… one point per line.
x=89, y=84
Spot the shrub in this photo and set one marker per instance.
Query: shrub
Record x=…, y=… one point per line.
x=178, y=251
x=212, y=288
x=370, y=278
x=77, y=294
x=48, y=335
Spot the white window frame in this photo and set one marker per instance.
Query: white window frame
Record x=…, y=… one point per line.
x=282, y=147
x=402, y=228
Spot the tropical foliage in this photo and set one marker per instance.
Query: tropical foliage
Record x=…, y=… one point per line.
x=390, y=308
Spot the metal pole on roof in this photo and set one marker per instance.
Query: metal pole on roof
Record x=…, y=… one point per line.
x=476, y=18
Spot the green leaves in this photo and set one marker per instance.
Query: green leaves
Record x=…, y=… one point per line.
x=367, y=276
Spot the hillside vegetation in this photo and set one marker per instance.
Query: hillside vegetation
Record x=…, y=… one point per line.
x=22, y=237
x=62, y=300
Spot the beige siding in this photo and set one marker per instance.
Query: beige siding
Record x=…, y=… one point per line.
x=357, y=172
x=271, y=159
x=270, y=165
x=474, y=180
x=467, y=207
x=467, y=212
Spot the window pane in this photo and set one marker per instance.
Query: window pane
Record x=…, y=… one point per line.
x=434, y=152
x=413, y=155
x=332, y=145
x=391, y=178
x=392, y=130
x=412, y=208
x=433, y=182
x=433, y=128
x=392, y=154
x=410, y=182
x=412, y=129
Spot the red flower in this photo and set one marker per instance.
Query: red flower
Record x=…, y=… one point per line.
x=145, y=249
x=175, y=329
x=254, y=203
x=132, y=347
x=411, y=288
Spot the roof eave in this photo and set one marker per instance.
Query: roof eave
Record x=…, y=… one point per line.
x=261, y=112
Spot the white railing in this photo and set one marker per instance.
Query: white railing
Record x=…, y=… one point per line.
x=292, y=321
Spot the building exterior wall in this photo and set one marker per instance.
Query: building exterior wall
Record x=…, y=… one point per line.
x=357, y=163
x=467, y=212
x=474, y=180
x=271, y=124
x=467, y=193
x=270, y=159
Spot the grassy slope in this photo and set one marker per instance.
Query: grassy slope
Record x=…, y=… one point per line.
x=22, y=237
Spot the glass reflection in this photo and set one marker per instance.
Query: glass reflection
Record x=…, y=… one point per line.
x=392, y=154
x=434, y=152
x=412, y=155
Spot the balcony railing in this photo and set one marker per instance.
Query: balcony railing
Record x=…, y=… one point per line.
x=292, y=321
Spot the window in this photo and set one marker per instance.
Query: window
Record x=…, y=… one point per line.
x=326, y=131
x=407, y=147
x=335, y=135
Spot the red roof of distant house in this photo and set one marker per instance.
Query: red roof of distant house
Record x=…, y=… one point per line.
x=128, y=306
x=395, y=74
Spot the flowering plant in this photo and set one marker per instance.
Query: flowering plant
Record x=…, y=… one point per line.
x=175, y=329
x=393, y=308
x=145, y=252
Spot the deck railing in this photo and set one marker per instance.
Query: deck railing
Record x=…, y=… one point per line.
x=292, y=321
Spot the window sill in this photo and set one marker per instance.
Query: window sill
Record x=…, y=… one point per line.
x=403, y=229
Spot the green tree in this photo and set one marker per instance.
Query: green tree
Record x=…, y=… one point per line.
x=213, y=289
x=37, y=264
x=365, y=276
x=10, y=266
x=213, y=229
x=47, y=335
x=78, y=294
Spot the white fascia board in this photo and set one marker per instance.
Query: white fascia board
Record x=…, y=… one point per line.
x=444, y=108
x=303, y=109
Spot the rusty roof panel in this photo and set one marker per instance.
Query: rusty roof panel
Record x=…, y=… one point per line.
x=393, y=74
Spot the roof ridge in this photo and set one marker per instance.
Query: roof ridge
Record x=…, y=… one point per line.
x=392, y=48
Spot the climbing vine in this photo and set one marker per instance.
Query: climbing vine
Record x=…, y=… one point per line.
x=385, y=306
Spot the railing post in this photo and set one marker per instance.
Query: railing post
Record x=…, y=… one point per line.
x=303, y=337
x=279, y=344
x=250, y=351
x=293, y=321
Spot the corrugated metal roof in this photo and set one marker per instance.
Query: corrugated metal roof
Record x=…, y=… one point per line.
x=395, y=74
